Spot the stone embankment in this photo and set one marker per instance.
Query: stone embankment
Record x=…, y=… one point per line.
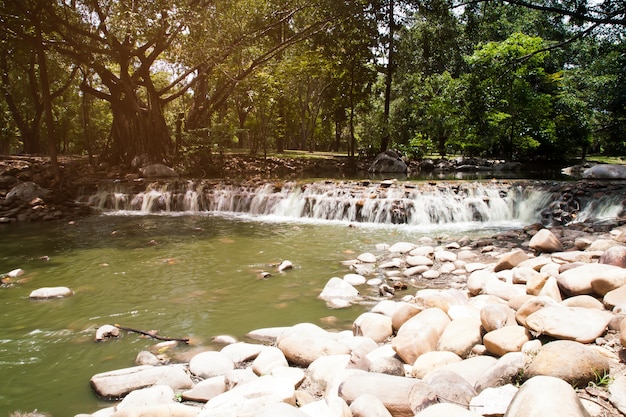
x=523, y=329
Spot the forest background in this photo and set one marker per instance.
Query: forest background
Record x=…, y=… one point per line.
x=178, y=81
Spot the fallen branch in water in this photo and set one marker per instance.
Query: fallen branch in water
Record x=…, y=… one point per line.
x=152, y=334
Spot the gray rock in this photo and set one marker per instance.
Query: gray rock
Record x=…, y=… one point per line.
x=605, y=172
x=157, y=171
x=25, y=192
x=388, y=162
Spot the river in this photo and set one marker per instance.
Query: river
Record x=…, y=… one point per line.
x=195, y=273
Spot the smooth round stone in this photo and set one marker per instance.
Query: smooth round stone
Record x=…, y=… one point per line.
x=206, y=389
x=545, y=241
x=422, y=251
x=493, y=401
x=570, y=323
x=374, y=282
x=367, y=257
x=508, y=368
x=338, y=288
x=494, y=316
x=386, y=307
x=574, y=362
x=585, y=301
x=368, y=405
x=209, y=364
x=51, y=292
x=430, y=361
x=505, y=340
x=615, y=255
x=241, y=351
x=419, y=261
x=393, y=263
x=354, y=279
x=420, y=334
x=510, y=260
x=268, y=359
x=431, y=274
x=415, y=270
x=373, y=325
x=402, y=247
x=445, y=256
x=543, y=396
x=460, y=336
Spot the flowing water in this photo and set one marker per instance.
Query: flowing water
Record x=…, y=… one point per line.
x=186, y=261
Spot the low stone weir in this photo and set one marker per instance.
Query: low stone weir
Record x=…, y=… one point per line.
x=384, y=202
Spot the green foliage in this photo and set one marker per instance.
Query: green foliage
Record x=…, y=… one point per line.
x=602, y=380
x=491, y=79
x=518, y=93
x=416, y=148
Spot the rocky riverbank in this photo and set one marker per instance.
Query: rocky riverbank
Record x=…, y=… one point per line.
x=526, y=323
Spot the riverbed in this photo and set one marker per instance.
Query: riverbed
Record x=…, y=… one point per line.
x=195, y=276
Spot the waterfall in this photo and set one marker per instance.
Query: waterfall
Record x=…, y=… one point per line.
x=385, y=202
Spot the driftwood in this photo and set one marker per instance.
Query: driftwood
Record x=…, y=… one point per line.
x=152, y=334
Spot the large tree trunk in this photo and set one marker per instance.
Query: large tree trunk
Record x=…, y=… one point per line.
x=384, y=141
x=137, y=130
x=46, y=99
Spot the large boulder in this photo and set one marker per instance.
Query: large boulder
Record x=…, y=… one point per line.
x=420, y=334
x=25, y=192
x=573, y=362
x=400, y=395
x=389, y=162
x=606, y=172
x=570, y=323
x=546, y=396
x=157, y=171
x=118, y=383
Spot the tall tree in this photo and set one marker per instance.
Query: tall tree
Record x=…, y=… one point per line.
x=517, y=93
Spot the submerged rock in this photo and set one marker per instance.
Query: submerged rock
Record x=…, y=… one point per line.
x=51, y=292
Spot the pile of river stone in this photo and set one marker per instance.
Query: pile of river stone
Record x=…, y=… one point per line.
x=529, y=331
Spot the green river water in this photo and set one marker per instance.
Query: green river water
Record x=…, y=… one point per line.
x=186, y=275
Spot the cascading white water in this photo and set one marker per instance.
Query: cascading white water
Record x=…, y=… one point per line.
x=414, y=204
